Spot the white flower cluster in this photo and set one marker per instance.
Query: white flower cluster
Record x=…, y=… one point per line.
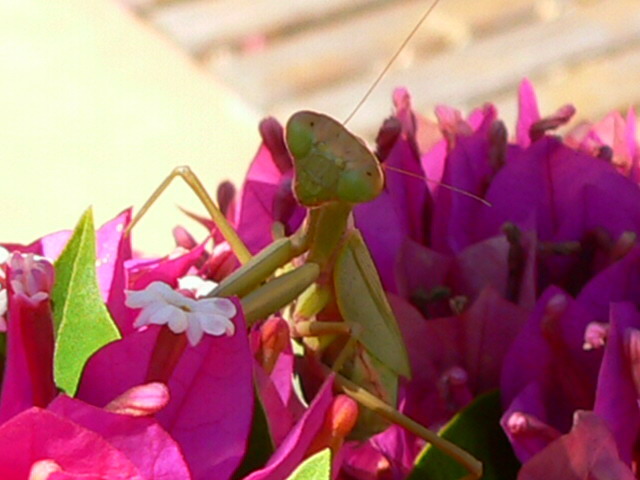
x=162, y=305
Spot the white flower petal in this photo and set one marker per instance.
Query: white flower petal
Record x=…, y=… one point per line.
x=216, y=305
x=164, y=315
x=179, y=321
x=216, y=324
x=165, y=292
x=145, y=316
x=194, y=332
x=141, y=298
x=161, y=305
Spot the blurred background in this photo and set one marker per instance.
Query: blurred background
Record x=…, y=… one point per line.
x=99, y=99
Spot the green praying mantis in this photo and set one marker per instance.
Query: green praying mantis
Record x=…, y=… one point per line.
x=338, y=306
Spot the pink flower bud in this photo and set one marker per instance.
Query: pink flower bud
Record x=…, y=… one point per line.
x=141, y=401
x=274, y=338
x=632, y=351
x=339, y=420
x=41, y=469
x=595, y=335
x=520, y=423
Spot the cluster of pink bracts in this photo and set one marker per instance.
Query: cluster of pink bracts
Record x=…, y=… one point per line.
x=536, y=295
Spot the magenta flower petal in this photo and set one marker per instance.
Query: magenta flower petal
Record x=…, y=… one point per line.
x=467, y=168
x=464, y=356
x=617, y=283
x=419, y=271
x=291, y=452
x=160, y=459
x=528, y=113
x=279, y=417
x=211, y=405
x=113, y=250
x=486, y=263
x=524, y=422
x=541, y=183
x=549, y=350
x=616, y=396
x=167, y=270
x=51, y=246
x=587, y=452
x=395, y=215
x=41, y=434
x=267, y=194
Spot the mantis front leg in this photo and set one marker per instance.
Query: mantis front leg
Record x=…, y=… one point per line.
x=193, y=182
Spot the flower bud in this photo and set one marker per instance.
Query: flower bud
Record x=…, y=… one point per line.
x=141, y=401
x=455, y=385
x=623, y=245
x=595, y=335
x=339, y=420
x=274, y=338
x=632, y=351
x=183, y=238
x=521, y=424
x=42, y=469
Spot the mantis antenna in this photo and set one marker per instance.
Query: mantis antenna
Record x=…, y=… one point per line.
x=391, y=61
x=375, y=83
x=449, y=187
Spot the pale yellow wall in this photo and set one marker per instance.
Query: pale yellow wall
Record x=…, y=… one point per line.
x=96, y=109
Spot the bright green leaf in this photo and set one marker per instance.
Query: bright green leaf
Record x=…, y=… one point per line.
x=83, y=323
x=477, y=430
x=316, y=467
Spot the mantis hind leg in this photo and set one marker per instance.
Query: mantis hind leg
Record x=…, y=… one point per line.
x=393, y=415
x=380, y=407
x=185, y=173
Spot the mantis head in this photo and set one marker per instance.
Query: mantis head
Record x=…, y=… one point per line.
x=331, y=164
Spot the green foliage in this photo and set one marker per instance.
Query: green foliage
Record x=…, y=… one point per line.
x=82, y=321
x=477, y=430
x=316, y=467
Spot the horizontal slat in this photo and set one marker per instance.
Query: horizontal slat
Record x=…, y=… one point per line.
x=595, y=87
x=491, y=65
x=359, y=47
x=199, y=24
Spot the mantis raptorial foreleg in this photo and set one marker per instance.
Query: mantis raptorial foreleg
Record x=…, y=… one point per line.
x=185, y=173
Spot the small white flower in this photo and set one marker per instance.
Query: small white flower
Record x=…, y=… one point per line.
x=162, y=305
x=200, y=286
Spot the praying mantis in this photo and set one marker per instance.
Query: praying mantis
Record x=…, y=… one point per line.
x=330, y=270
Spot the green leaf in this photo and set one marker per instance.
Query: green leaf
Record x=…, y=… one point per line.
x=477, y=430
x=316, y=467
x=82, y=321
